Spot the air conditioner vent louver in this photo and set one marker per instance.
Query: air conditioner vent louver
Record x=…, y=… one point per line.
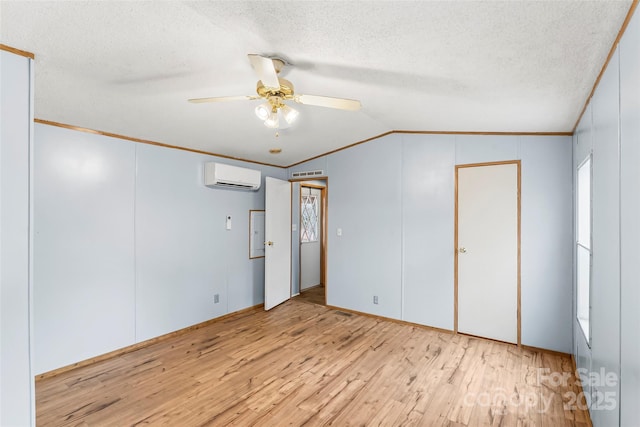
x=307, y=174
x=232, y=185
x=233, y=177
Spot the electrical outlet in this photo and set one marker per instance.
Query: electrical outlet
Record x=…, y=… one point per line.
x=375, y=299
x=216, y=298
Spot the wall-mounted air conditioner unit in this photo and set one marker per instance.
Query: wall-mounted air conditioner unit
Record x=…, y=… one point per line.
x=227, y=176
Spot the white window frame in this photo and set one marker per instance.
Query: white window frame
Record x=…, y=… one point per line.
x=584, y=244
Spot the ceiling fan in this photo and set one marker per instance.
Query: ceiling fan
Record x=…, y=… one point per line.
x=276, y=90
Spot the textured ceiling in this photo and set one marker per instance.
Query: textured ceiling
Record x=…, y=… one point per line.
x=129, y=67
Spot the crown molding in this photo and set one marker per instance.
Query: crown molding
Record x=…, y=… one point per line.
x=17, y=51
x=146, y=141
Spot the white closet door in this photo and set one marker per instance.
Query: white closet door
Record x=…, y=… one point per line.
x=277, y=230
x=488, y=251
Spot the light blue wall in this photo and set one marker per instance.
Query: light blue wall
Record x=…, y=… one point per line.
x=486, y=148
x=547, y=242
x=605, y=276
x=130, y=245
x=393, y=198
x=610, y=128
x=84, y=295
x=630, y=223
x=365, y=201
x=184, y=255
x=427, y=229
x=582, y=148
x=16, y=118
x=312, y=165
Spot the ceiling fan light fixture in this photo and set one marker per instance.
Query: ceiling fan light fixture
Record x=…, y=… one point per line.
x=272, y=121
x=289, y=114
x=263, y=111
x=274, y=113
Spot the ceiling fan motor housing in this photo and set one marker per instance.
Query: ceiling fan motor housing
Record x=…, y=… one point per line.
x=285, y=91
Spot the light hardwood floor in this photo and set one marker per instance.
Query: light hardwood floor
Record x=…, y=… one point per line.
x=304, y=364
x=315, y=295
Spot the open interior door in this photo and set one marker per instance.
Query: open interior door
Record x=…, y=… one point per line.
x=277, y=246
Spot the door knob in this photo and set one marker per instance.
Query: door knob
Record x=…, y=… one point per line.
x=270, y=243
x=462, y=250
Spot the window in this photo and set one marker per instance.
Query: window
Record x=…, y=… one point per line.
x=309, y=214
x=583, y=246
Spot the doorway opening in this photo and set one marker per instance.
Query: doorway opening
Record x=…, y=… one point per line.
x=310, y=201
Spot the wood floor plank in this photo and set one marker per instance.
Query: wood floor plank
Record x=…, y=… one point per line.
x=314, y=295
x=304, y=364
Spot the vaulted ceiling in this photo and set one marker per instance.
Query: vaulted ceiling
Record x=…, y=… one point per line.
x=128, y=67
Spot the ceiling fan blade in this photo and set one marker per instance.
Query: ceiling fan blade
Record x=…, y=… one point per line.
x=329, y=102
x=223, y=99
x=265, y=70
